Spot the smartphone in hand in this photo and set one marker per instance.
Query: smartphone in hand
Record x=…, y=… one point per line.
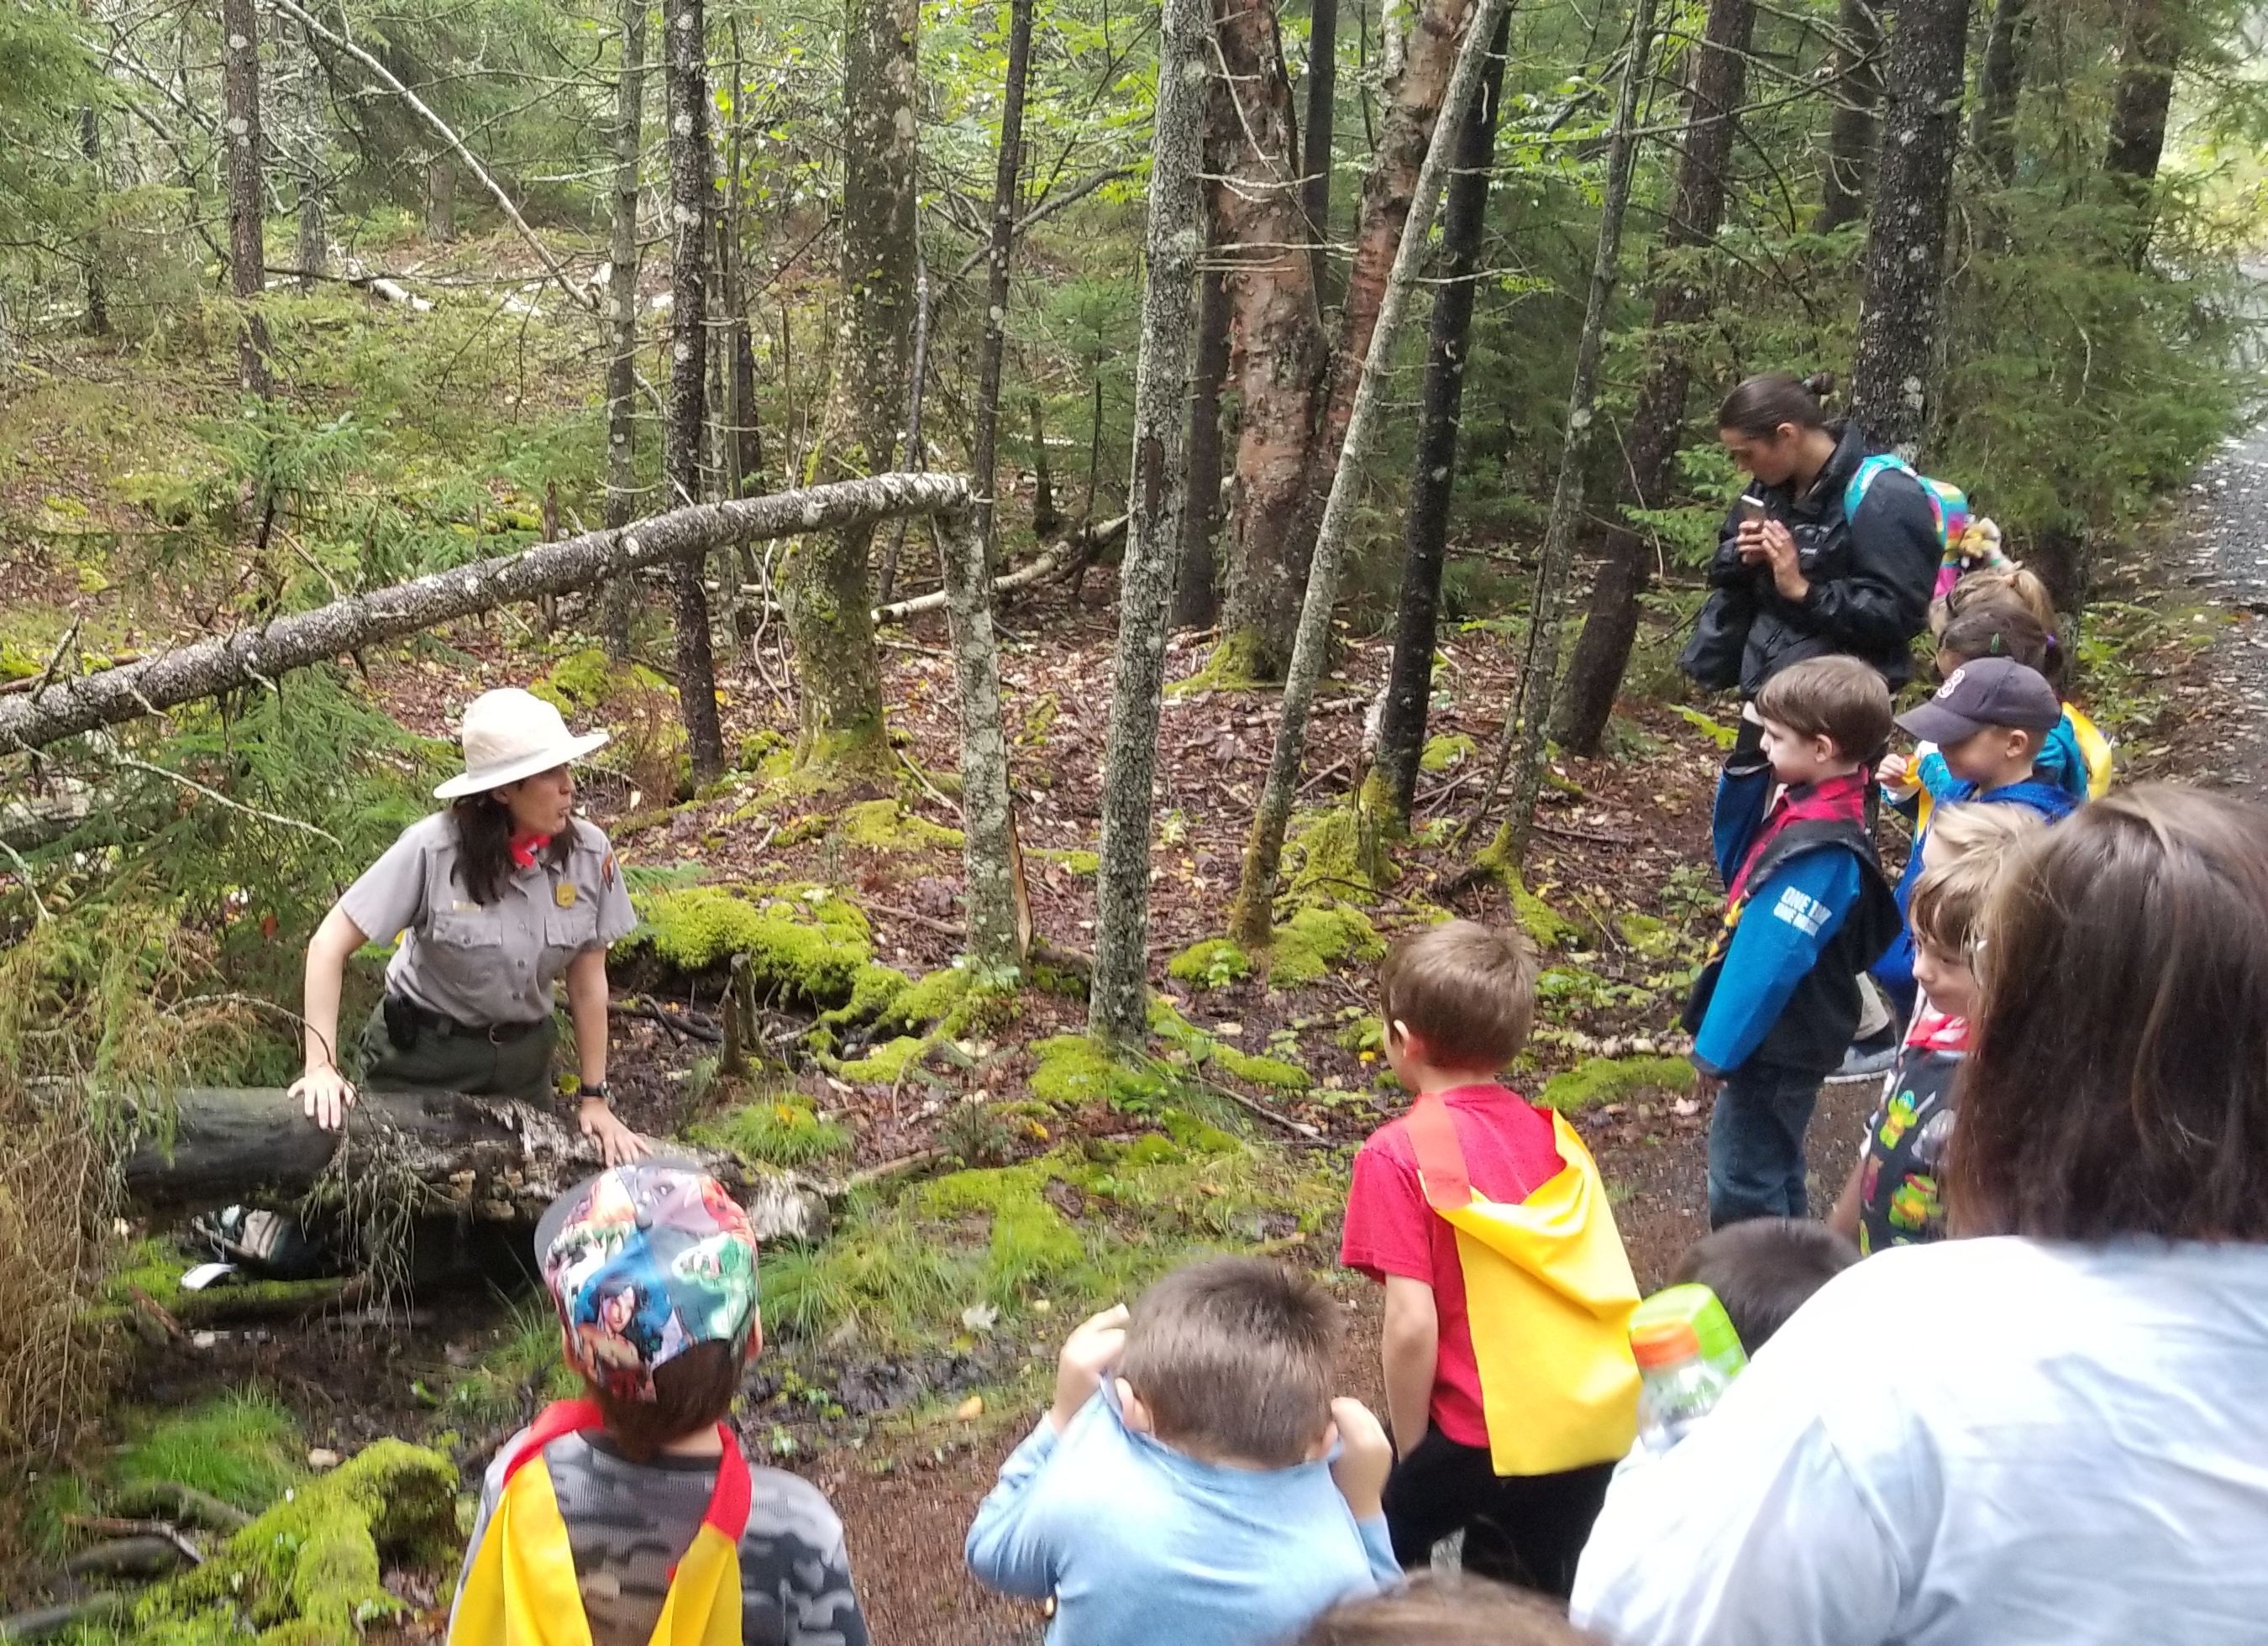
x=1752, y=508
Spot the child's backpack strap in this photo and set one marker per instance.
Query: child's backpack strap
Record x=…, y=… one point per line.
x=1854, y=492
x=1948, y=504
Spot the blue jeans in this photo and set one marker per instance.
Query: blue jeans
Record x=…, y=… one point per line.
x=1756, y=1145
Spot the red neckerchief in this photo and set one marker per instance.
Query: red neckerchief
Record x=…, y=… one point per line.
x=1934, y=1031
x=526, y=844
x=728, y=1499
x=1830, y=800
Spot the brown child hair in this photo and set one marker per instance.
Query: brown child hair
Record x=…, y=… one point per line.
x=1996, y=628
x=1764, y=1269
x=2012, y=585
x=1947, y=908
x=1838, y=698
x=1465, y=990
x=692, y=1390
x=2118, y=1082
x=1438, y=1608
x=1233, y=1357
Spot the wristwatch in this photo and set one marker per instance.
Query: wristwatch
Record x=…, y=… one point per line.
x=599, y=1090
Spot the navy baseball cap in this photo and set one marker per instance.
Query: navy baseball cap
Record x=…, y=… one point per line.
x=1988, y=692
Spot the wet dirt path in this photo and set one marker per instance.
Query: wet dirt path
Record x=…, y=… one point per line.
x=2226, y=538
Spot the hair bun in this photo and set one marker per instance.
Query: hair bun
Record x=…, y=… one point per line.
x=1820, y=386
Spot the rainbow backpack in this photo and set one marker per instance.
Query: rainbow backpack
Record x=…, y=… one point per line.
x=1966, y=541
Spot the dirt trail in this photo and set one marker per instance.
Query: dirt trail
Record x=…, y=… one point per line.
x=2227, y=537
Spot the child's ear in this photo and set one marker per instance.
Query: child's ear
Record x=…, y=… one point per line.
x=1411, y=1046
x=755, y=1336
x=1320, y=1447
x=1135, y=1415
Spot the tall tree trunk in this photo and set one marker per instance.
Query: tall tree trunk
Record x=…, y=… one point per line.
x=1045, y=519
x=1433, y=478
x=1315, y=162
x=247, y=254
x=1196, y=587
x=621, y=308
x=1118, y=1000
x=983, y=446
x=314, y=222
x=1999, y=81
x=987, y=853
x=1893, y=392
x=1684, y=292
x=1850, y=127
x=1276, y=357
x=1531, y=711
x=441, y=200
x=97, y=315
x=828, y=606
x=746, y=459
x=686, y=76
x=1251, y=919
x=2149, y=52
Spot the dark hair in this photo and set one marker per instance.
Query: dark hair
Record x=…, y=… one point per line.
x=484, y=845
x=1764, y=1270
x=692, y=1390
x=1437, y=1608
x=1466, y=989
x=2118, y=1080
x=1759, y=405
x=1838, y=698
x=1233, y=1357
x=1998, y=628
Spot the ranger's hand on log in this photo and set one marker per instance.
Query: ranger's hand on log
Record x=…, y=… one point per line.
x=325, y=1095
x=621, y=1144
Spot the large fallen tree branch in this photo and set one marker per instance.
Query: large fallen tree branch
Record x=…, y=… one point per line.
x=484, y=1157
x=255, y=657
x=1059, y=557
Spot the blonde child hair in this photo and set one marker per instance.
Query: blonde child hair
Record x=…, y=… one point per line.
x=1974, y=830
x=1948, y=907
x=2007, y=586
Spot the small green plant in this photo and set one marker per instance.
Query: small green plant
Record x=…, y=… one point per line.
x=780, y=1130
x=243, y=1447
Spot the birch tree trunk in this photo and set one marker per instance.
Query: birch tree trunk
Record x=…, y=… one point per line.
x=622, y=309
x=1540, y=674
x=247, y=257
x=1850, y=124
x=255, y=657
x=1250, y=922
x=983, y=446
x=1685, y=295
x=828, y=606
x=1433, y=478
x=1118, y=1002
x=1893, y=391
x=1196, y=583
x=984, y=799
x=686, y=76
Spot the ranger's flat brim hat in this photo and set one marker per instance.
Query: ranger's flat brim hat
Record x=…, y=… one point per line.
x=510, y=734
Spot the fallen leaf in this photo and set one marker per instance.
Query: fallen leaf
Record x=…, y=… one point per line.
x=1684, y=1109
x=980, y=1316
x=322, y=1458
x=970, y=1409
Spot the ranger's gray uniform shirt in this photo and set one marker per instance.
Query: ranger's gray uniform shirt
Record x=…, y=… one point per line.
x=495, y=964
x=629, y=1523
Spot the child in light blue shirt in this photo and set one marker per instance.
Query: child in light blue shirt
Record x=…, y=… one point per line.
x=1194, y=1482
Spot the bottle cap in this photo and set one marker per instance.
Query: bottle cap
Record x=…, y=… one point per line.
x=1664, y=1343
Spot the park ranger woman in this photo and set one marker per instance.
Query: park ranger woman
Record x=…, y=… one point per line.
x=496, y=899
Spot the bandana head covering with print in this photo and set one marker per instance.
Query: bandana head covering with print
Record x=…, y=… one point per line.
x=644, y=1261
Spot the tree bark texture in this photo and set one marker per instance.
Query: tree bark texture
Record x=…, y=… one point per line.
x=1196, y=585
x=983, y=446
x=2149, y=52
x=622, y=309
x=838, y=678
x=1275, y=356
x=441, y=200
x=686, y=75
x=1315, y=161
x=1251, y=921
x=1433, y=478
x=1999, y=82
x=1892, y=393
x=1850, y=124
x=1540, y=671
x=94, y=273
x=493, y=1159
x=1118, y=1000
x=1685, y=295
x=248, y=254
x=312, y=220
x=984, y=800
x=255, y=657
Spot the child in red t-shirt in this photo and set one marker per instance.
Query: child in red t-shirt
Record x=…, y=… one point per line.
x=1459, y=1000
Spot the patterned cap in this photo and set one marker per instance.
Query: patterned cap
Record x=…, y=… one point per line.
x=644, y=1261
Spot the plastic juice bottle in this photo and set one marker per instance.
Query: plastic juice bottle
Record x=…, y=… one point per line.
x=1699, y=1307
x=1678, y=1383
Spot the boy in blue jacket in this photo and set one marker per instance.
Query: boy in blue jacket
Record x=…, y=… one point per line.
x=1808, y=909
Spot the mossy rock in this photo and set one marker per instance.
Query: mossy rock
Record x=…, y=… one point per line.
x=588, y=682
x=874, y=989
x=1656, y=939
x=1273, y=1072
x=929, y=1001
x=1232, y=667
x=886, y=825
x=884, y=1065
x=1444, y=752
x=1318, y=937
x=1599, y=1080
x=307, y=1573
x=803, y=943
x=1328, y=855
x=1213, y=963
x=1074, y=1069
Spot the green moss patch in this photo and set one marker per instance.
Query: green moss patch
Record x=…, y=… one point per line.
x=931, y=1000
x=886, y=1064
x=244, y=1448
x=1261, y=1071
x=804, y=943
x=1611, y=1079
x=1319, y=938
x=1213, y=963
x=1442, y=753
x=1074, y=1069
x=1078, y=862
x=779, y=1130
x=307, y=1573
x=886, y=825
x=1233, y=667
x=1328, y=856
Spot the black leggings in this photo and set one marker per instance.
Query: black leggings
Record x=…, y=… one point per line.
x=1525, y=1529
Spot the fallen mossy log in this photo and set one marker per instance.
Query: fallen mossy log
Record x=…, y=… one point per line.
x=486, y=1158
